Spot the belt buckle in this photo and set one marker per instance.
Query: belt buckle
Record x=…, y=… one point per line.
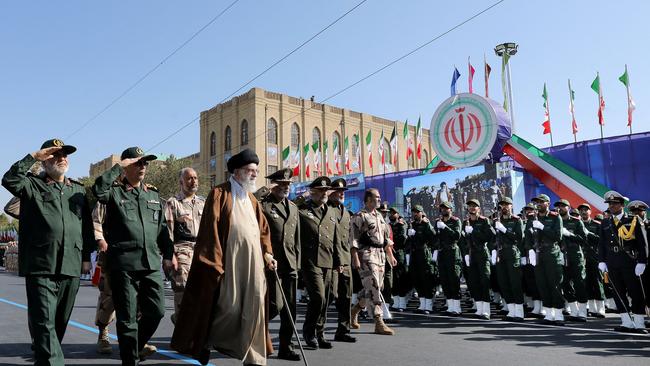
x=615, y=249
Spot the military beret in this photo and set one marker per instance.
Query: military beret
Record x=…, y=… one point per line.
x=584, y=205
x=473, y=201
x=417, y=208
x=383, y=207
x=613, y=196
x=506, y=200
x=322, y=182
x=136, y=152
x=445, y=204
x=67, y=149
x=637, y=205
x=282, y=176
x=562, y=202
x=339, y=184
x=542, y=198
x=244, y=157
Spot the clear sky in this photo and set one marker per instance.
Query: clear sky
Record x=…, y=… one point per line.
x=64, y=61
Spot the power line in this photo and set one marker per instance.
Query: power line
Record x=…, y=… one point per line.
x=418, y=48
x=151, y=71
x=265, y=71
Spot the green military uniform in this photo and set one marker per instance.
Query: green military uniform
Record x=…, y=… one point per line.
x=509, y=246
x=528, y=270
x=545, y=246
x=136, y=234
x=422, y=268
x=284, y=225
x=574, y=238
x=448, y=258
x=594, y=280
x=55, y=235
x=317, y=239
x=401, y=280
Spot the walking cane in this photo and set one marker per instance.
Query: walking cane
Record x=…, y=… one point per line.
x=293, y=324
x=645, y=299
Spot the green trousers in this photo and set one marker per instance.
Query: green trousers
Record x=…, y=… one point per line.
x=50, y=299
x=422, y=272
x=509, y=275
x=594, y=281
x=449, y=268
x=342, y=289
x=478, y=272
x=130, y=290
x=401, y=278
x=549, y=276
x=318, y=281
x=575, y=276
x=277, y=306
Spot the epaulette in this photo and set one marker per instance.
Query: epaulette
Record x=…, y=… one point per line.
x=75, y=181
x=151, y=186
x=117, y=183
x=291, y=203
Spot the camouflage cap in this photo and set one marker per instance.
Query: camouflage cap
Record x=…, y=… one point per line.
x=530, y=206
x=562, y=202
x=383, y=207
x=281, y=176
x=637, y=205
x=584, y=205
x=445, y=204
x=393, y=209
x=67, y=149
x=136, y=152
x=417, y=208
x=339, y=184
x=473, y=201
x=321, y=182
x=506, y=200
x=542, y=198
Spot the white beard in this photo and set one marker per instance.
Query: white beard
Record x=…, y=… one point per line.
x=249, y=186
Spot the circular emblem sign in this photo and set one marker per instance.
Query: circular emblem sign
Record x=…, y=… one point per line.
x=464, y=130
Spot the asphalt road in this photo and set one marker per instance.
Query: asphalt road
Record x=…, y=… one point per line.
x=420, y=340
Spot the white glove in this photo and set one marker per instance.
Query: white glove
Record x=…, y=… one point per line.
x=467, y=259
x=469, y=229
x=523, y=261
x=639, y=269
x=408, y=259
x=538, y=225
x=411, y=232
x=532, y=257
x=493, y=258
x=440, y=225
x=434, y=256
x=562, y=259
x=499, y=226
x=566, y=232
x=602, y=267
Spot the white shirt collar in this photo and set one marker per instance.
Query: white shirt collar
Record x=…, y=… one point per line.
x=237, y=190
x=619, y=216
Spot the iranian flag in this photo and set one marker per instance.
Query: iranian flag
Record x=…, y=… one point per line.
x=369, y=147
x=307, y=162
x=316, y=148
x=286, y=156
x=381, y=150
x=408, y=140
x=347, y=156
x=595, y=86
x=547, y=118
x=631, y=106
x=393, y=145
x=470, y=76
x=337, y=157
x=572, y=97
x=328, y=170
x=296, y=163
x=418, y=133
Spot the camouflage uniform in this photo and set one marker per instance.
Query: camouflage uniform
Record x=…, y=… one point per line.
x=105, y=313
x=183, y=215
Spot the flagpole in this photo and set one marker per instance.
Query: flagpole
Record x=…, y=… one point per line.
x=627, y=89
x=548, y=113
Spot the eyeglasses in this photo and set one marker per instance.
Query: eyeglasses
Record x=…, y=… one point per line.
x=142, y=163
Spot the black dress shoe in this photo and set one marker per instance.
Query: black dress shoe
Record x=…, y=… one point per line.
x=323, y=344
x=344, y=338
x=310, y=343
x=288, y=354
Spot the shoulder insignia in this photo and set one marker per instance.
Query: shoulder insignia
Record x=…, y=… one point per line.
x=75, y=181
x=151, y=186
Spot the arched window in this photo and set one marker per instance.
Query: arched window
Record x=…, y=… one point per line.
x=336, y=141
x=244, y=132
x=228, y=139
x=315, y=136
x=213, y=144
x=295, y=137
x=388, y=154
x=425, y=158
x=272, y=131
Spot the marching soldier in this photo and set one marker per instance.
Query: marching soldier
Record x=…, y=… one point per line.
x=136, y=234
x=640, y=208
x=623, y=258
x=509, y=245
x=318, y=252
x=420, y=244
x=447, y=255
x=183, y=214
x=543, y=237
x=528, y=271
x=401, y=282
x=594, y=280
x=342, y=274
x=476, y=245
x=574, y=238
x=370, y=237
x=56, y=238
x=284, y=224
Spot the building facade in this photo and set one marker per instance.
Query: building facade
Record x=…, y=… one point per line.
x=313, y=134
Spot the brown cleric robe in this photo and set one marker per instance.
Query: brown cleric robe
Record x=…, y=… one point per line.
x=202, y=289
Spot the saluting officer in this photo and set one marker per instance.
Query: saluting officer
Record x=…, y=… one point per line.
x=56, y=235
x=476, y=245
x=342, y=275
x=284, y=224
x=623, y=257
x=594, y=279
x=574, y=238
x=543, y=237
x=317, y=238
x=447, y=255
x=136, y=234
x=509, y=246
